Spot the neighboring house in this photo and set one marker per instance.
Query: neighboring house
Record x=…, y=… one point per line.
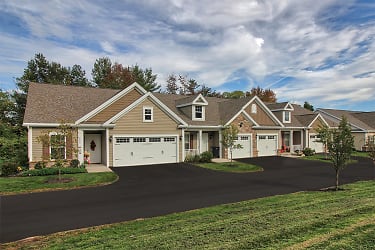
x=362, y=124
x=299, y=127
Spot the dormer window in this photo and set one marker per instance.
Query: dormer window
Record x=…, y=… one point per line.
x=286, y=117
x=198, y=112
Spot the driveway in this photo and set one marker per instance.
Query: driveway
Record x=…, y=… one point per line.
x=147, y=191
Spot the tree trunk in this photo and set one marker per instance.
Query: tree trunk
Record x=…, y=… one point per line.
x=337, y=180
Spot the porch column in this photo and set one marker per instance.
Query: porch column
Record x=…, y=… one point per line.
x=302, y=139
x=200, y=142
x=30, y=143
x=220, y=145
x=80, y=145
x=107, y=146
x=183, y=144
x=291, y=144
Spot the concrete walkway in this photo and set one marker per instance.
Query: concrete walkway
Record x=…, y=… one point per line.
x=97, y=168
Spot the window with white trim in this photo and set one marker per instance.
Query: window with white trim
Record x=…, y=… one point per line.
x=198, y=112
x=148, y=114
x=169, y=139
x=57, y=147
x=286, y=117
x=253, y=108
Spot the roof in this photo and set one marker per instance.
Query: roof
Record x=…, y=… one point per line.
x=359, y=119
x=49, y=103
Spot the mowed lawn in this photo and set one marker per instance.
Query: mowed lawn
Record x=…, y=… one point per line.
x=304, y=220
x=17, y=185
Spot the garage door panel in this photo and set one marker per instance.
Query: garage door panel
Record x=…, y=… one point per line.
x=267, y=145
x=245, y=151
x=314, y=143
x=130, y=151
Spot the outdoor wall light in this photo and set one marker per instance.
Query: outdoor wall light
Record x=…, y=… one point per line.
x=110, y=138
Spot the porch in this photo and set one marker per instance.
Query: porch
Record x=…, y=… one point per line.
x=197, y=142
x=292, y=141
x=93, y=146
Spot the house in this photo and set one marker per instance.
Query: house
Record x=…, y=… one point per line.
x=299, y=127
x=134, y=127
x=362, y=124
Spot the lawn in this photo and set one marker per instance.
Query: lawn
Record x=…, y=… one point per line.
x=16, y=185
x=234, y=167
x=304, y=220
x=323, y=158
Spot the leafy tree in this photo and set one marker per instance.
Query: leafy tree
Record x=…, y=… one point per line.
x=234, y=94
x=78, y=76
x=266, y=95
x=206, y=91
x=340, y=146
x=120, y=77
x=102, y=68
x=229, y=138
x=324, y=133
x=308, y=106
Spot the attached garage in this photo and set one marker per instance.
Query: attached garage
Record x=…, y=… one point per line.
x=267, y=145
x=315, y=144
x=144, y=150
x=245, y=151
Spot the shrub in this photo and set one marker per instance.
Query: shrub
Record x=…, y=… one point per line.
x=74, y=163
x=8, y=168
x=192, y=158
x=58, y=164
x=52, y=171
x=206, y=157
x=40, y=165
x=308, y=151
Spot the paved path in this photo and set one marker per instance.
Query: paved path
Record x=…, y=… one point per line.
x=148, y=191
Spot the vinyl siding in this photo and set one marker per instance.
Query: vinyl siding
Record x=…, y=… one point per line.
x=318, y=122
x=359, y=140
x=132, y=124
x=115, y=107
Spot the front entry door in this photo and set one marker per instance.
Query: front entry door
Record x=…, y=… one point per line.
x=93, y=145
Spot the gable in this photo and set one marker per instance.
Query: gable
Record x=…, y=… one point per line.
x=115, y=107
x=261, y=116
x=317, y=123
x=132, y=121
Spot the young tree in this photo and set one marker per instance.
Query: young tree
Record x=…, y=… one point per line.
x=340, y=146
x=229, y=138
x=324, y=133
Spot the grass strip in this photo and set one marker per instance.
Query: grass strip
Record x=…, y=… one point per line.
x=18, y=185
x=306, y=219
x=233, y=167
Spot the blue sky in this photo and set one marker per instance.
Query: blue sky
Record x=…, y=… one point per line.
x=322, y=52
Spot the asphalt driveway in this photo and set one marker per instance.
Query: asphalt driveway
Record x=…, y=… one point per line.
x=146, y=191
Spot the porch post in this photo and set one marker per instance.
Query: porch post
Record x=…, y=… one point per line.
x=80, y=145
x=220, y=145
x=200, y=142
x=302, y=139
x=107, y=146
x=30, y=143
x=291, y=141
x=183, y=144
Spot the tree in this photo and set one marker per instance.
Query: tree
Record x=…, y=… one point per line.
x=229, y=138
x=234, y=94
x=206, y=91
x=308, y=106
x=77, y=76
x=340, y=145
x=119, y=77
x=172, y=86
x=102, y=68
x=266, y=95
x=324, y=135
x=145, y=78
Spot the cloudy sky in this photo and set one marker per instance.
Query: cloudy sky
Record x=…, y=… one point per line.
x=322, y=52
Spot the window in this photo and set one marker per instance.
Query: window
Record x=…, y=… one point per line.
x=139, y=139
x=187, y=141
x=122, y=140
x=287, y=116
x=169, y=139
x=57, y=147
x=253, y=108
x=154, y=139
x=148, y=114
x=198, y=112
x=244, y=138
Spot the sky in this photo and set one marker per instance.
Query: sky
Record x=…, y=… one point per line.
x=322, y=52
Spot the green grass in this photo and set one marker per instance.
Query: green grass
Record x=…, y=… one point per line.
x=16, y=185
x=234, y=167
x=314, y=220
x=322, y=158
x=361, y=154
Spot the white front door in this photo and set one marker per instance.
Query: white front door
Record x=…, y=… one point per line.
x=93, y=145
x=204, y=142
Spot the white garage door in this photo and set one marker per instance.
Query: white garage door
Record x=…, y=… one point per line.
x=245, y=151
x=267, y=145
x=315, y=144
x=130, y=151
